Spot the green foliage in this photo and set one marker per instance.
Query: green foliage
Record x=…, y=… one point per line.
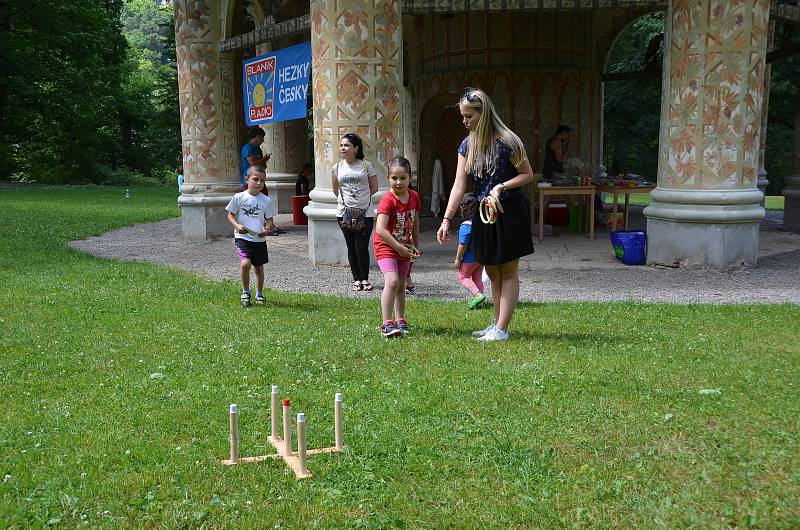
x=594, y=415
x=632, y=108
x=80, y=96
x=784, y=99
x=151, y=132
x=59, y=97
x=124, y=176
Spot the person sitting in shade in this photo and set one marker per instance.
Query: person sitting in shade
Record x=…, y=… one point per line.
x=555, y=152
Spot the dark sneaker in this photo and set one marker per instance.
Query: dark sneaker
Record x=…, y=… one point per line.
x=402, y=325
x=245, y=298
x=390, y=330
x=260, y=300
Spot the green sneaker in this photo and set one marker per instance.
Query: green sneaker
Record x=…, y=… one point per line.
x=477, y=301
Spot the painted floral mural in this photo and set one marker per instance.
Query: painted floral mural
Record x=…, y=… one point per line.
x=714, y=93
x=356, y=49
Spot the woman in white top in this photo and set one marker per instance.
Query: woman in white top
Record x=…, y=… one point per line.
x=354, y=182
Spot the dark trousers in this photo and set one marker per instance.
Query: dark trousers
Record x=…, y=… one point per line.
x=358, y=250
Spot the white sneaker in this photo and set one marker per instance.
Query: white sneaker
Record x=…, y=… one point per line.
x=484, y=331
x=494, y=335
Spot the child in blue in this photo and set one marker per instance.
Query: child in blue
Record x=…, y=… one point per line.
x=470, y=273
x=250, y=212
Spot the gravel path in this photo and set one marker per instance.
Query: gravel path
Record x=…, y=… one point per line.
x=775, y=280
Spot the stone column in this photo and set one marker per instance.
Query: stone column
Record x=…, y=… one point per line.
x=208, y=120
x=791, y=191
x=705, y=210
x=356, y=49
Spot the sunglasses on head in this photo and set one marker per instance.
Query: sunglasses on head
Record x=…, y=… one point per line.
x=470, y=96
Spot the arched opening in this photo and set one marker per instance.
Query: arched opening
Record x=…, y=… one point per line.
x=632, y=98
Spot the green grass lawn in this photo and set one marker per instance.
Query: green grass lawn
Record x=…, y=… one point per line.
x=593, y=415
x=771, y=202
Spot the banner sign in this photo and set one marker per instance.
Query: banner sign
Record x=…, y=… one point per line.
x=276, y=85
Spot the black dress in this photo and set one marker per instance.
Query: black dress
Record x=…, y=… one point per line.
x=510, y=237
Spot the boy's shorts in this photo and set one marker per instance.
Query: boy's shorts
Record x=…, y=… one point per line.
x=255, y=251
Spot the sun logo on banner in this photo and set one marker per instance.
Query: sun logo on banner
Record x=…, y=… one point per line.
x=259, y=95
x=260, y=82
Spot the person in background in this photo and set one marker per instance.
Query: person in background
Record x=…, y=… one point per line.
x=354, y=182
x=301, y=185
x=251, y=154
x=179, y=171
x=470, y=272
x=555, y=152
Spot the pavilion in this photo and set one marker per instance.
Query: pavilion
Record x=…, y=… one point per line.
x=392, y=70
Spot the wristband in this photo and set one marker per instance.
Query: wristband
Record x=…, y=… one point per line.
x=446, y=219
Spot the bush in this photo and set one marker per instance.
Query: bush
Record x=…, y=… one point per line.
x=166, y=176
x=123, y=176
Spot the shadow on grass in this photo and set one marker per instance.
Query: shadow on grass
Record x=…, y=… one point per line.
x=590, y=338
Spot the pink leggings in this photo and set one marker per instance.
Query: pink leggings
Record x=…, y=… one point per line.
x=470, y=276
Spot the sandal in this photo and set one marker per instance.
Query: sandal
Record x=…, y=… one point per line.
x=366, y=285
x=357, y=286
x=411, y=289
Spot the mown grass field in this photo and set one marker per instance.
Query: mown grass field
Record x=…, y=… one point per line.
x=771, y=202
x=593, y=415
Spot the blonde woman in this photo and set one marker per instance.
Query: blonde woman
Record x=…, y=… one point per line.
x=495, y=159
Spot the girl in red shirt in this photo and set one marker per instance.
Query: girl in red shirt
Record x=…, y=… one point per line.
x=395, y=241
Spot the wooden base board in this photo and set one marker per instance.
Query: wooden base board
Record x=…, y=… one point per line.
x=292, y=460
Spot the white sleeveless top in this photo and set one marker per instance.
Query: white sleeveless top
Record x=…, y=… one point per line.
x=354, y=186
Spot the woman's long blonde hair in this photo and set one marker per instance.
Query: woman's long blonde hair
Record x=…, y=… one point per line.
x=482, y=148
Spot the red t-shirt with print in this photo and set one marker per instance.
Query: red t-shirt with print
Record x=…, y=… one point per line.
x=401, y=222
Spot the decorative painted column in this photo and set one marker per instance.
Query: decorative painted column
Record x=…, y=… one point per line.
x=705, y=210
x=356, y=50
x=208, y=120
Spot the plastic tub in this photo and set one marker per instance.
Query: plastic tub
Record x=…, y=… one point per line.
x=630, y=246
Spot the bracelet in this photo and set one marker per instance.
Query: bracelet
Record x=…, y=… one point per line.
x=446, y=219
